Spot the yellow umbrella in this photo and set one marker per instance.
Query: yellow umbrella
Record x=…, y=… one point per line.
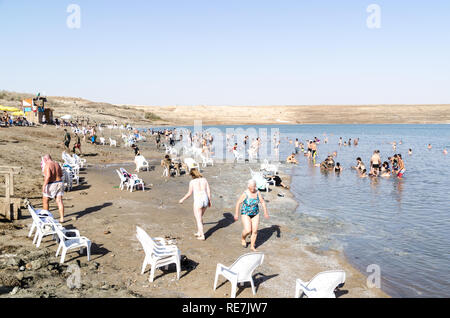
x=20, y=113
x=9, y=109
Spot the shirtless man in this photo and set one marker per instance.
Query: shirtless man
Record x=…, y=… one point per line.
x=313, y=150
x=401, y=166
x=53, y=187
x=375, y=163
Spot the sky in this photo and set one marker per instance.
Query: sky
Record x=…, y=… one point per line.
x=228, y=52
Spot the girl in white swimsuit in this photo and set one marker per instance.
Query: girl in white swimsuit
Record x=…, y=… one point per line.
x=202, y=199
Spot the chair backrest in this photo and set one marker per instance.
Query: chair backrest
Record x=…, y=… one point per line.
x=58, y=231
x=145, y=240
x=34, y=215
x=326, y=282
x=246, y=264
x=121, y=176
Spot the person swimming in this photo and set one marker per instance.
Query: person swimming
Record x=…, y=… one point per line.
x=338, y=168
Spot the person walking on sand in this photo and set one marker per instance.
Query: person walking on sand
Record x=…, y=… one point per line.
x=77, y=144
x=53, y=187
x=67, y=140
x=199, y=186
x=248, y=206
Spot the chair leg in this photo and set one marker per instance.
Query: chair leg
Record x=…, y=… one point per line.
x=88, y=250
x=178, y=269
x=233, y=289
x=216, y=279
x=59, y=249
x=63, y=256
x=31, y=230
x=253, y=286
x=38, y=243
x=152, y=273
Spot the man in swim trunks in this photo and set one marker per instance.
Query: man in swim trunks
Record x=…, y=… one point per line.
x=66, y=140
x=77, y=144
x=313, y=149
x=401, y=166
x=53, y=187
x=375, y=163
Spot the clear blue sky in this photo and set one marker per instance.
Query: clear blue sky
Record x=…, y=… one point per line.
x=228, y=52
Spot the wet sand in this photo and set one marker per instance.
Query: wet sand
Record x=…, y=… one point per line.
x=108, y=216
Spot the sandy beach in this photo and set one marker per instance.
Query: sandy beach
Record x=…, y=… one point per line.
x=108, y=216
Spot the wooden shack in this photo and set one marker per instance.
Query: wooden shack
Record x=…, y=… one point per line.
x=35, y=110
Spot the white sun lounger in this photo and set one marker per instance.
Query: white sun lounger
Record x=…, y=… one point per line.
x=240, y=271
x=320, y=286
x=157, y=253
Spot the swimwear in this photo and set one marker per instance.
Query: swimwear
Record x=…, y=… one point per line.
x=250, y=207
x=201, y=200
x=54, y=189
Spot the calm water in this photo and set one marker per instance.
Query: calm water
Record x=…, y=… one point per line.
x=402, y=226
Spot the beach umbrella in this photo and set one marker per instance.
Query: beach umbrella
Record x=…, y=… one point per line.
x=19, y=113
x=67, y=117
x=9, y=109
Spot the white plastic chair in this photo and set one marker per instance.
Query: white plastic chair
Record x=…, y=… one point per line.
x=73, y=242
x=240, y=271
x=141, y=163
x=41, y=214
x=157, y=253
x=322, y=285
x=102, y=141
x=206, y=161
x=112, y=142
x=79, y=161
x=191, y=164
x=44, y=226
x=135, y=181
x=123, y=181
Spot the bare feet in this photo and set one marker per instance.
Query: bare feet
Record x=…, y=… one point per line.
x=61, y=220
x=201, y=238
x=253, y=249
x=244, y=243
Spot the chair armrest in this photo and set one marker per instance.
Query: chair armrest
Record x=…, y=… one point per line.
x=77, y=233
x=225, y=268
x=304, y=285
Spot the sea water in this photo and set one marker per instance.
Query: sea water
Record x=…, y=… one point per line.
x=400, y=226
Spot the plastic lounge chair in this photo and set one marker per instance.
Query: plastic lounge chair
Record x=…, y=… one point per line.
x=73, y=242
x=134, y=182
x=42, y=214
x=206, y=161
x=320, y=286
x=191, y=164
x=79, y=161
x=123, y=180
x=157, y=253
x=141, y=163
x=112, y=142
x=240, y=271
x=44, y=225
